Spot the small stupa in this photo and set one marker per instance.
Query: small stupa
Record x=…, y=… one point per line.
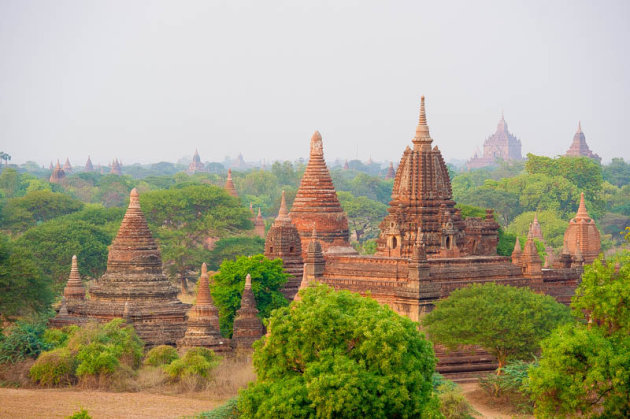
x=582, y=235
x=229, y=185
x=247, y=326
x=390, y=172
x=259, y=225
x=196, y=166
x=74, y=287
x=88, y=165
x=57, y=175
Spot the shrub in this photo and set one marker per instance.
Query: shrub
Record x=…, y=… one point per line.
x=197, y=362
x=81, y=414
x=453, y=404
x=97, y=359
x=23, y=340
x=54, y=368
x=511, y=384
x=228, y=410
x=161, y=355
x=56, y=338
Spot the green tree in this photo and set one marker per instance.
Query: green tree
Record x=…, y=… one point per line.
x=337, y=354
x=268, y=277
x=364, y=214
x=42, y=205
x=23, y=287
x=232, y=247
x=6, y=157
x=507, y=322
x=552, y=225
x=617, y=172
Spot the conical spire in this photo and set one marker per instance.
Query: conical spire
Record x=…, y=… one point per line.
x=67, y=166
x=247, y=325
x=422, y=130
x=517, y=247
x=88, y=165
x=582, y=214
x=248, y=282
x=229, y=185
x=579, y=127
x=317, y=148
x=203, y=289
x=390, y=171
x=283, y=213
x=74, y=288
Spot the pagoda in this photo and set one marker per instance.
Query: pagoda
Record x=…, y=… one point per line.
x=259, y=225
x=316, y=205
x=196, y=165
x=247, y=326
x=391, y=173
x=579, y=148
x=203, y=320
x=74, y=287
x=134, y=286
x=501, y=145
x=88, y=165
x=283, y=242
x=57, y=175
x=229, y=185
x=116, y=168
x=67, y=167
x=582, y=238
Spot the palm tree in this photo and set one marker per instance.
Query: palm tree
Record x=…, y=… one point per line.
x=6, y=157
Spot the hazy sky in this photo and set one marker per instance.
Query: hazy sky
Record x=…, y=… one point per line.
x=148, y=81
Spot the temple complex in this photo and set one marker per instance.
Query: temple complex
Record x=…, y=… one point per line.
x=116, y=168
x=579, y=148
x=88, y=165
x=196, y=166
x=67, y=167
x=203, y=320
x=283, y=242
x=57, y=175
x=501, y=145
x=247, y=326
x=133, y=286
x=390, y=171
x=316, y=205
x=582, y=237
x=229, y=185
x=259, y=225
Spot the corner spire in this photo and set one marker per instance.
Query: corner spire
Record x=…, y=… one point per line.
x=283, y=213
x=422, y=130
x=248, y=282
x=581, y=212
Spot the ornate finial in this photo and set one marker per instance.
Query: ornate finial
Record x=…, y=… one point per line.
x=579, y=126
x=229, y=174
x=316, y=144
x=581, y=212
x=248, y=281
x=314, y=233
x=283, y=214
x=259, y=214
x=423, y=115
x=134, y=201
x=422, y=130
x=204, y=269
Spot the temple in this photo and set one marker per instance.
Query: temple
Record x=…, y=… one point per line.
x=196, y=166
x=88, y=165
x=116, y=168
x=579, y=148
x=391, y=173
x=259, y=225
x=67, y=167
x=582, y=238
x=247, y=326
x=501, y=145
x=57, y=175
x=229, y=185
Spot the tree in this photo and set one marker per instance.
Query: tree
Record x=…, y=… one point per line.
x=42, y=205
x=507, y=322
x=506, y=204
x=617, y=172
x=552, y=225
x=6, y=157
x=268, y=277
x=585, y=369
x=337, y=354
x=23, y=287
x=232, y=247
x=364, y=214
x=184, y=217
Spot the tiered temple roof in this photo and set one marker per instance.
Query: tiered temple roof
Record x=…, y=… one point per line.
x=283, y=242
x=203, y=320
x=579, y=148
x=582, y=237
x=247, y=326
x=229, y=185
x=501, y=145
x=116, y=168
x=316, y=205
x=57, y=175
x=196, y=165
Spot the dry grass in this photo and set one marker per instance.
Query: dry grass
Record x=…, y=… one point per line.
x=231, y=375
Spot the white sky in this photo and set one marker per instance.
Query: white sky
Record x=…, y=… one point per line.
x=147, y=81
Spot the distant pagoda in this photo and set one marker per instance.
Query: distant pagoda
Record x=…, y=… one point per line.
x=196, y=165
x=391, y=173
x=501, y=145
x=579, y=148
x=88, y=165
x=259, y=225
x=67, y=167
x=57, y=175
x=116, y=168
x=229, y=185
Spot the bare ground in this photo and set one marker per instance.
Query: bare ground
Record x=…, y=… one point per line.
x=487, y=406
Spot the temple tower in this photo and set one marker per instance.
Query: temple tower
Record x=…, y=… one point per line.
x=74, y=287
x=229, y=185
x=88, y=165
x=316, y=205
x=530, y=259
x=501, y=145
x=57, y=175
x=516, y=253
x=67, y=167
x=579, y=148
x=203, y=320
x=582, y=235
x=283, y=242
x=390, y=172
x=421, y=202
x=196, y=165
x=247, y=326
x=116, y=168
x=259, y=225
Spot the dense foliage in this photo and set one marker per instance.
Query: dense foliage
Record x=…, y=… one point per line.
x=506, y=321
x=268, y=277
x=337, y=354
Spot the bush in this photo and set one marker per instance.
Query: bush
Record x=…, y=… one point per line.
x=511, y=384
x=197, y=362
x=81, y=414
x=54, y=368
x=23, y=340
x=97, y=359
x=453, y=404
x=228, y=410
x=56, y=338
x=161, y=355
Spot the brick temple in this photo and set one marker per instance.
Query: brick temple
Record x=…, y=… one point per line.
x=579, y=148
x=196, y=166
x=501, y=145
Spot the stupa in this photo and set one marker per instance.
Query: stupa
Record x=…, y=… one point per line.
x=229, y=185
x=57, y=175
x=316, y=205
x=203, y=320
x=259, y=225
x=116, y=168
x=582, y=236
x=247, y=326
x=579, y=148
x=67, y=167
x=283, y=242
x=88, y=165
x=391, y=173
x=134, y=287
x=74, y=287
x=196, y=166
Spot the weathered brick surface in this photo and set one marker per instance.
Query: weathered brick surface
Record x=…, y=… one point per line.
x=582, y=236
x=247, y=326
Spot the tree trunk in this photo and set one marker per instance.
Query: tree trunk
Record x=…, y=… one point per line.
x=184, y=287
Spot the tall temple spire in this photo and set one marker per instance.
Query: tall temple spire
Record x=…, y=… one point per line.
x=582, y=236
x=88, y=165
x=229, y=185
x=247, y=326
x=283, y=213
x=74, y=288
x=582, y=214
x=422, y=138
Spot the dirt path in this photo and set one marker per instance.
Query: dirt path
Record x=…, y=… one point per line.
x=486, y=406
x=27, y=403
